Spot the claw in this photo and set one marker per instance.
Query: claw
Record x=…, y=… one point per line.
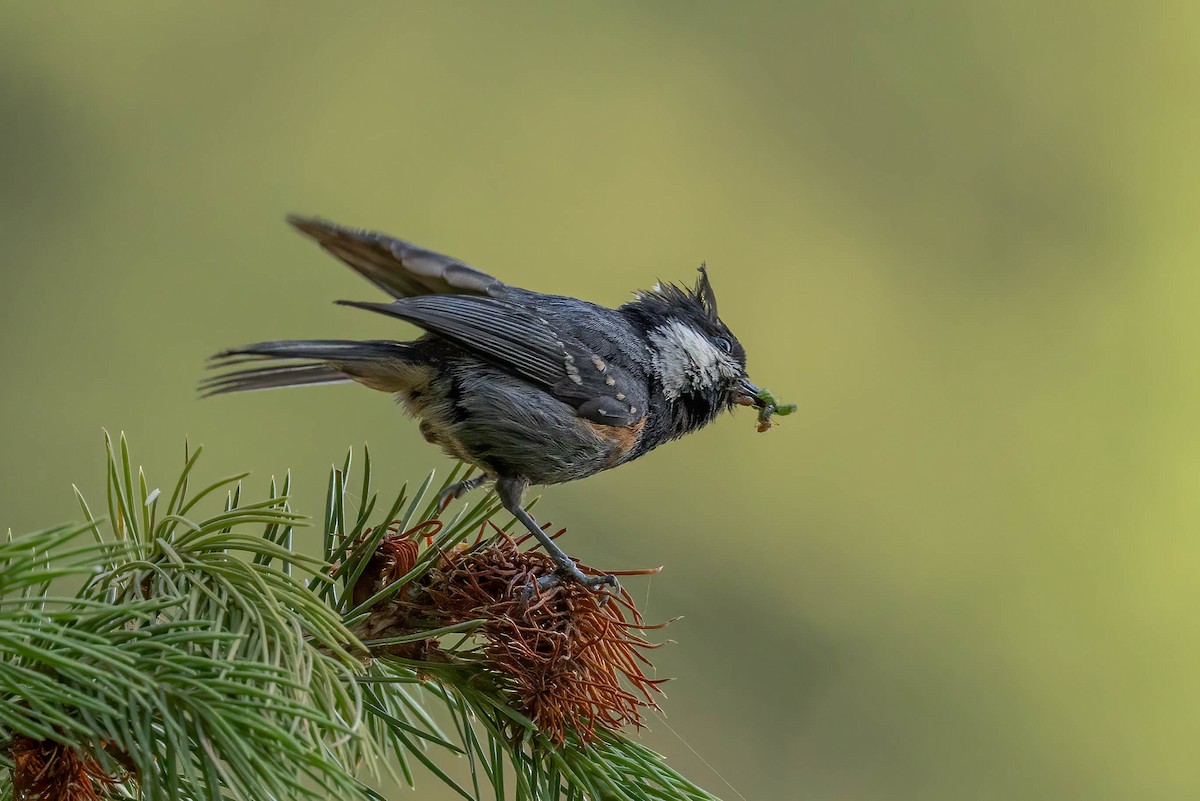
x=569, y=572
x=455, y=491
x=511, y=490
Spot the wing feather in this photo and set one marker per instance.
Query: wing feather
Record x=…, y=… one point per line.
x=500, y=331
x=524, y=343
x=397, y=267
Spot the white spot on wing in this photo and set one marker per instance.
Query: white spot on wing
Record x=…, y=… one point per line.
x=572, y=370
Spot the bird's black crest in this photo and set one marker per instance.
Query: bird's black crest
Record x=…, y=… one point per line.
x=674, y=300
x=704, y=293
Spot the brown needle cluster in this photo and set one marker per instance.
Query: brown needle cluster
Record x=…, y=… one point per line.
x=572, y=657
x=44, y=770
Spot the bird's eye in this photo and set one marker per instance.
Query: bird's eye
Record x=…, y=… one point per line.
x=724, y=344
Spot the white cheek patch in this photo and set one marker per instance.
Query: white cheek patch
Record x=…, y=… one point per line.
x=685, y=359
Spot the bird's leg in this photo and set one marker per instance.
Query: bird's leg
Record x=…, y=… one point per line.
x=455, y=491
x=512, y=492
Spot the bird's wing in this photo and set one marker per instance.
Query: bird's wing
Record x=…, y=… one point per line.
x=397, y=267
x=524, y=343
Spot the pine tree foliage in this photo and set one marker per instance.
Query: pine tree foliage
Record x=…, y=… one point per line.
x=162, y=651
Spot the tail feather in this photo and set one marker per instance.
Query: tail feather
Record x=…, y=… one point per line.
x=293, y=375
x=349, y=349
x=379, y=364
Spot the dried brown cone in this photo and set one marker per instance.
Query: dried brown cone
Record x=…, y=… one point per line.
x=573, y=658
x=44, y=770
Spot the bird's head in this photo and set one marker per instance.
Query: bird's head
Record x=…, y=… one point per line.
x=698, y=362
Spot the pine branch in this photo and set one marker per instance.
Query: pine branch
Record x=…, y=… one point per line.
x=169, y=653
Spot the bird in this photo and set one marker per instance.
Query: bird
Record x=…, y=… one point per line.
x=530, y=388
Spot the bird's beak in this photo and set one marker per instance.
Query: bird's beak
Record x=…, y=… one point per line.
x=748, y=395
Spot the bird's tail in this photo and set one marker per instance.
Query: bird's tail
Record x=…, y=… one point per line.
x=383, y=365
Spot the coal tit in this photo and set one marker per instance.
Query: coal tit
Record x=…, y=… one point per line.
x=529, y=388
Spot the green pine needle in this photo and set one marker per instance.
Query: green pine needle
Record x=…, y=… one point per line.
x=196, y=655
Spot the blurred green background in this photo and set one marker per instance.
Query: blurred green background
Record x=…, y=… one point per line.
x=963, y=237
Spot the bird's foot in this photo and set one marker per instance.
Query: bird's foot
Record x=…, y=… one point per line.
x=455, y=491
x=569, y=572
